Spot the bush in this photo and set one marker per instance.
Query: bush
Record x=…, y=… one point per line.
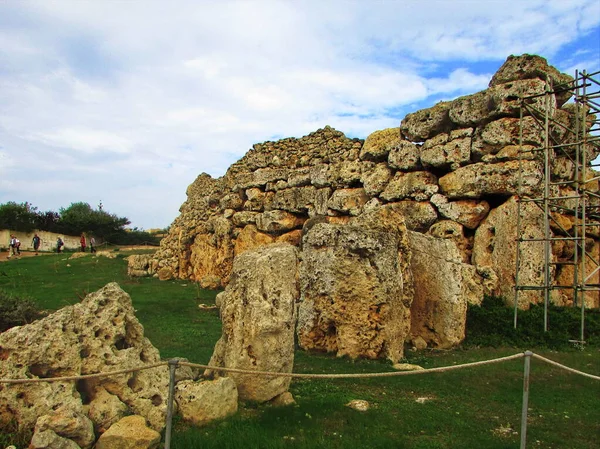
x=491, y=324
x=16, y=311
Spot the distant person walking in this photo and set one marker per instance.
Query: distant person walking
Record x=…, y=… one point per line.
x=59, y=245
x=13, y=248
x=82, y=241
x=36, y=243
x=92, y=244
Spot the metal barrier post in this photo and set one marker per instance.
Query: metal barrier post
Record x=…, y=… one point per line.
x=172, y=367
x=526, y=372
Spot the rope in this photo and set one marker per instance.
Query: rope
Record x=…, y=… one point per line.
x=299, y=375
x=81, y=377
x=356, y=376
x=566, y=368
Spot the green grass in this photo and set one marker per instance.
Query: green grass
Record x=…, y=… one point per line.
x=473, y=408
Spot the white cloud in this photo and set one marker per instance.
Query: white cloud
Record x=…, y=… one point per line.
x=128, y=102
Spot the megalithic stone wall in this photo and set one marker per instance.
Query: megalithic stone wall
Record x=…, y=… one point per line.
x=452, y=170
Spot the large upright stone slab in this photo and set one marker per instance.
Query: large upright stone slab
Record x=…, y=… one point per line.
x=444, y=285
x=356, y=287
x=495, y=252
x=258, y=311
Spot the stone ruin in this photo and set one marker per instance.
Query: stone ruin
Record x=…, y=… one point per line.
x=100, y=334
x=450, y=173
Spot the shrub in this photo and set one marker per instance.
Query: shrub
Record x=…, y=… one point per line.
x=16, y=311
x=491, y=324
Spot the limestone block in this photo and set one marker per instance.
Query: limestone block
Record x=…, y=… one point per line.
x=418, y=215
x=211, y=253
x=448, y=229
x=130, y=432
x=257, y=200
x=258, y=311
x=105, y=410
x=495, y=249
x=404, y=156
x=425, y=123
x=375, y=179
x=199, y=403
x=68, y=424
x=419, y=185
x=301, y=200
x=502, y=178
x=278, y=221
x=448, y=150
x=140, y=265
x=511, y=152
x=231, y=200
x=293, y=237
x=250, y=238
x=499, y=101
x=566, y=276
x=356, y=288
x=99, y=334
x=379, y=143
x=496, y=135
x=348, y=201
x=444, y=285
x=48, y=439
x=241, y=219
x=468, y=213
x=531, y=66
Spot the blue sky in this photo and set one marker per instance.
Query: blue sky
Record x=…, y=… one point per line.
x=126, y=102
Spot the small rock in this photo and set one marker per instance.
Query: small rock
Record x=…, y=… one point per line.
x=407, y=367
x=359, y=404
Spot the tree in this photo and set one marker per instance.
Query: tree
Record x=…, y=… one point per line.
x=80, y=217
x=18, y=216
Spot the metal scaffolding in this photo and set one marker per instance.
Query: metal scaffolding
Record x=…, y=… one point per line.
x=568, y=199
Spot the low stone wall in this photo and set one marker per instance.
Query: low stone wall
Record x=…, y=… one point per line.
x=48, y=240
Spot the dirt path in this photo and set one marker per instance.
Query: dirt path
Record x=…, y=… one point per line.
x=4, y=255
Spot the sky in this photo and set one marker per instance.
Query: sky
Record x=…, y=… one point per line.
x=125, y=103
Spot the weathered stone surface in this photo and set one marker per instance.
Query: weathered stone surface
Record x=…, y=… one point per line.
x=499, y=101
x=68, y=424
x=531, y=66
x=211, y=253
x=421, y=125
x=258, y=311
x=250, y=238
x=418, y=215
x=468, y=213
x=495, y=249
x=448, y=150
x=448, y=229
x=352, y=281
x=418, y=185
x=348, y=201
x=444, y=287
x=105, y=410
x=379, y=143
x=566, y=276
x=301, y=200
x=376, y=179
x=48, y=439
x=241, y=219
x=130, y=432
x=278, y=221
x=499, y=134
x=139, y=265
x=502, y=178
x=405, y=156
x=99, y=334
x=199, y=403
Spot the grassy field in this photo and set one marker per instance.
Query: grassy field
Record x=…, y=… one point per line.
x=472, y=408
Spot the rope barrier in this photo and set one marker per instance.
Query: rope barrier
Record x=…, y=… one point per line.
x=566, y=368
x=300, y=375
x=354, y=376
x=82, y=377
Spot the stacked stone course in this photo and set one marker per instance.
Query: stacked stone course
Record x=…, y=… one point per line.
x=452, y=170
